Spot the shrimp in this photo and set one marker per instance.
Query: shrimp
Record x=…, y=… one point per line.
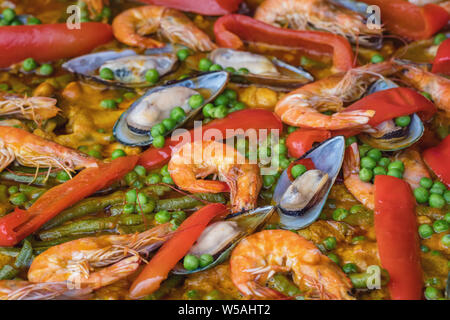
x=318, y=15
x=31, y=150
x=438, y=87
x=415, y=168
x=131, y=26
x=259, y=256
x=95, y=262
x=202, y=158
x=31, y=108
x=364, y=192
x=24, y=290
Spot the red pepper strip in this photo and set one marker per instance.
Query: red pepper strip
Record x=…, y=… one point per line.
x=397, y=237
x=231, y=30
x=301, y=140
x=249, y=119
x=19, y=224
x=408, y=20
x=390, y=104
x=441, y=62
x=307, y=162
x=174, y=250
x=48, y=42
x=438, y=159
x=206, y=7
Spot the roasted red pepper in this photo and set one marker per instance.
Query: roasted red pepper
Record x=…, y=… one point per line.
x=441, y=62
x=49, y=42
x=397, y=237
x=231, y=30
x=206, y=7
x=174, y=250
x=249, y=119
x=301, y=140
x=19, y=224
x=390, y=104
x=408, y=20
x=438, y=159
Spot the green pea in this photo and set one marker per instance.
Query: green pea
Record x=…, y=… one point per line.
x=215, y=67
x=158, y=130
x=230, y=69
x=169, y=124
x=368, y=162
x=268, y=180
x=94, y=153
x=196, y=101
x=436, y=201
x=159, y=142
x=162, y=216
x=445, y=240
x=284, y=163
x=177, y=114
x=131, y=196
x=432, y=293
x=152, y=76
x=182, y=54
x=13, y=189
x=440, y=226
x=221, y=100
x=168, y=180
x=63, y=176
x=107, y=74
x=403, y=121
x=421, y=194
x=29, y=64
x=179, y=215
x=298, y=170
x=131, y=177
x=243, y=71
x=239, y=106
x=397, y=165
x=46, y=69
x=384, y=162
x=153, y=178
x=425, y=231
x=192, y=294
x=377, y=58
x=145, y=208
x=333, y=258
x=9, y=14
x=128, y=208
x=427, y=95
x=142, y=198
x=340, y=214
x=220, y=112
x=365, y=174
x=350, y=268
x=426, y=182
x=279, y=149
x=358, y=239
x=106, y=12
x=191, y=262
x=204, y=64
x=165, y=171
x=363, y=150
x=129, y=95
x=205, y=260
x=357, y=208
x=108, y=104
x=33, y=21
x=330, y=243
x=117, y=153
x=231, y=94
x=438, y=191
x=18, y=199
x=208, y=110
x=375, y=154
x=439, y=38
x=424, y=248
x=379, y=171
x=447, y=196
x=395, y=173
x=447, y=217
x=291, y=129
x=140, y=170
x=439, y=185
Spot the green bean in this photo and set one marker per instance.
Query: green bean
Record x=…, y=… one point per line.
x=51, y=243
x=282, y=284
x=85, y=207
x=158, y=190
x=24, y=257
x=165, y=288
x=5, y=205
x=188, y=202
x=9, y=251
x=39, y=180
x=134, y=229
x=359, y=280
x=8, y=272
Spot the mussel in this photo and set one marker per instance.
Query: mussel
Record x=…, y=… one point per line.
x=129, y=67
x=219, y=238
x=389, y=136
x=134, y=126
x=300, y=202
x=272, y=73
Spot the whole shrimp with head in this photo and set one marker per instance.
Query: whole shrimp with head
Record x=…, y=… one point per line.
x=24, y=290
x=258, y=257
x=321, y=15
x=302, y=107
x=132, y=26
x=95, y=262
x=30, y=108
x=202, y=158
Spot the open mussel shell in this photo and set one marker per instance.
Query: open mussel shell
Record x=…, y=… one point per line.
x=392, y=137
x=220, y=237
x=267, y=72
x=209, y=85
x=296, y=213
x=127, y=65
